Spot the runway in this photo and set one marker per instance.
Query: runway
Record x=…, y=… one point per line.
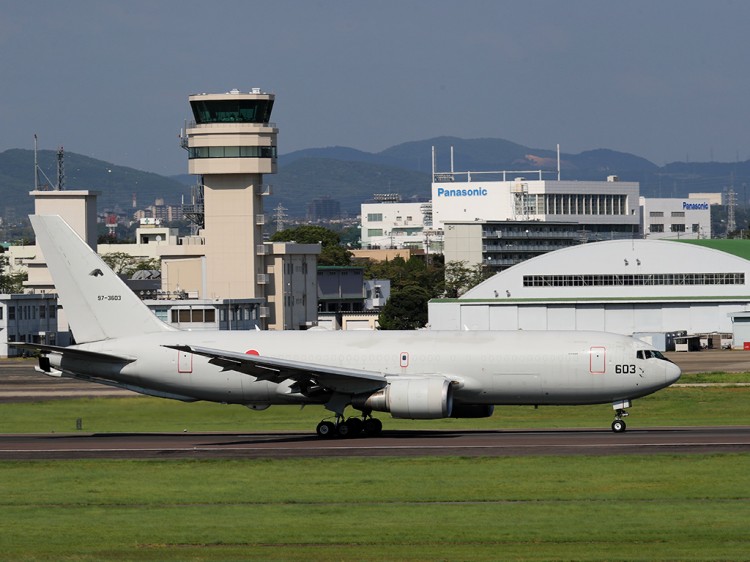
x=683, y=440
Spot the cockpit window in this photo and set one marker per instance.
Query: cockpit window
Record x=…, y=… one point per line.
x=650, y=354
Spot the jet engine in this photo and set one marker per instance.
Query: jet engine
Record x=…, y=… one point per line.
x=424, y=398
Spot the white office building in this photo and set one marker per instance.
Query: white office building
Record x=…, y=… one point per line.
x=394, y=224
x=675, y=218
x=597, y=206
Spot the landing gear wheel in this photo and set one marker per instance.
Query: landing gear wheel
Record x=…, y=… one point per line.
x=355, y=425
x=326, y=429
x=373, y=426
x=343, y=430
x=618, y=426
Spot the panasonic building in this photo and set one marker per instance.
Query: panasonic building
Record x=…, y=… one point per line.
x=675, y=218
x=503, y=218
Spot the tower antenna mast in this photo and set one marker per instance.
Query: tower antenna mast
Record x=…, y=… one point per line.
x=60, y=169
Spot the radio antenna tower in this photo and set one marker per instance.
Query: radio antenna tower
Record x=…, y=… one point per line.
x=279, y=216
x=60, y=169
x=38, y=170
x=731, y=207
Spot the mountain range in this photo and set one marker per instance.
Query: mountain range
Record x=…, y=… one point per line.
x=352, y=176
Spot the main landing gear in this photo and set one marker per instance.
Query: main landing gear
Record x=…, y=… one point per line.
x=352, y=427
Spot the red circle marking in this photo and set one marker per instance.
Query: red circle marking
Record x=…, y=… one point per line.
x=251, y=352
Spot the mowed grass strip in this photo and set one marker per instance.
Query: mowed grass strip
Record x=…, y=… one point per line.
x=636, y=507
x=685, y=406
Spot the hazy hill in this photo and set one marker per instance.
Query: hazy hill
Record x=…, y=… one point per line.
x=352, y=176
x=117, y=184
x=482, y=155
x=351, y=183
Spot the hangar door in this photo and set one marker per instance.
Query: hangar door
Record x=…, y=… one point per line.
x=619, y=319
x=532, y=318
x=475, y=318
x=561, y=318
x=590, y=317
x=504, y=317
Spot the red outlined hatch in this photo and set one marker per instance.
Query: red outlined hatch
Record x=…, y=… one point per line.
x=184, y=362
x=598, y=360
x=404, y=359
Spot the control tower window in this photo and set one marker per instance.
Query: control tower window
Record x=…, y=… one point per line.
x=232, y=111
x=232, y=152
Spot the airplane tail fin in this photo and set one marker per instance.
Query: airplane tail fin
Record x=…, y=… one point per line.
x=97, y=303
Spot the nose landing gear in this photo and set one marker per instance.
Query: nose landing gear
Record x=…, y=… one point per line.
x=619, y=426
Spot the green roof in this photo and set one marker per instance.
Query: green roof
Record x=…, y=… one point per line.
x=665, y=298
x=736, y=247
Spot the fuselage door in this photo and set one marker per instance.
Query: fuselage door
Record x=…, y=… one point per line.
x=597, y=360
x=184, y=362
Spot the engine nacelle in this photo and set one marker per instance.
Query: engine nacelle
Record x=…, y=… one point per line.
x=472, y=410
x=425, y=398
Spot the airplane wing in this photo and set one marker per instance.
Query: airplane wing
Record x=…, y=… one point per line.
x=347, y=381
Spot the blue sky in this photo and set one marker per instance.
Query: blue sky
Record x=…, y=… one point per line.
x=665, y=79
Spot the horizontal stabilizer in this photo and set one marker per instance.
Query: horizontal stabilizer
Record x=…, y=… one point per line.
x=73, y=352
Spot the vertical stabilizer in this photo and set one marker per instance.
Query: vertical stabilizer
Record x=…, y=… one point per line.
x=97, y=302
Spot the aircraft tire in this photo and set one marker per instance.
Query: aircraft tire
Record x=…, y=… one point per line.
x=618, y=426
x=326, y=430
x=343, y=430
x=355, y=426
x=373, y=426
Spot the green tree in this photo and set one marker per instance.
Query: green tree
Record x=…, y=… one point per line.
x=406, y=309
x=413, y=283
x=124, y=264
x=351, y=237
x=332, y=253
x=10, y=283
x=403, y=273
x=459, y=277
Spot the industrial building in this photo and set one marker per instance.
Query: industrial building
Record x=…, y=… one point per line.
x=28, y=318
x=621, y=286
x=499, y=245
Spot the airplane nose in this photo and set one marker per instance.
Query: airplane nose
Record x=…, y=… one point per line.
x=673, y=373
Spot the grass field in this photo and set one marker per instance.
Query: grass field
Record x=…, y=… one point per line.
x=651, y=507
x=529, y=508
x=670, y=407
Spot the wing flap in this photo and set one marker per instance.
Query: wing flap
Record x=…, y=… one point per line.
x=273, y=369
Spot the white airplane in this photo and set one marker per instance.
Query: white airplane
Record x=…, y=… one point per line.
x=410, y=374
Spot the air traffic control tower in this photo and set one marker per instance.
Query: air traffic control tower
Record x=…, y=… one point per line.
x=231, y=144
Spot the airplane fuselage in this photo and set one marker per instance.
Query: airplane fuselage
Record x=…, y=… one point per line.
x=519, y=367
